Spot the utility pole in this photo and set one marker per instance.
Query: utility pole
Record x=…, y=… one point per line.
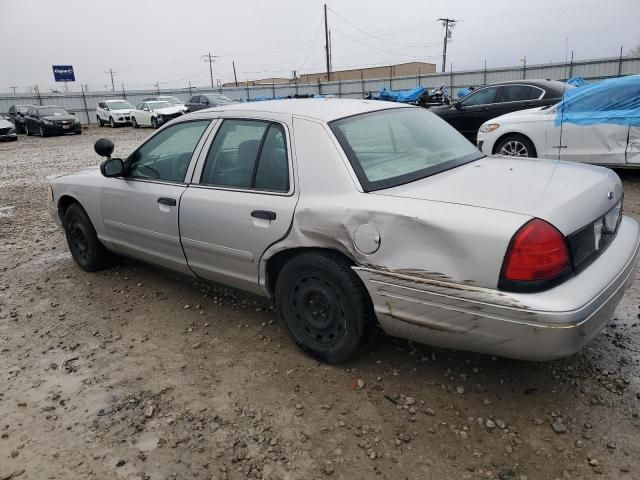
x=235, y=77
x=327, y=48
x=111, y=72
x=448, y=24
x=210, y=58
x=157, y=85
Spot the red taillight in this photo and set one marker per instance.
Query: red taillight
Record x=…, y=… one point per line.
x=538, y=251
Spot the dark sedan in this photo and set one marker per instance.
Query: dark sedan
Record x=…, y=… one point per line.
x=488, y=102
x=50, y=120
x=207, y=100
x=16, y=116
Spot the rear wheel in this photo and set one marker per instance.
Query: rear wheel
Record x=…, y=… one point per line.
x=87, y=251
x=325, y=306
x=515, y=146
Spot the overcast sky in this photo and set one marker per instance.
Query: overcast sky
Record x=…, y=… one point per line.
x=148, y=41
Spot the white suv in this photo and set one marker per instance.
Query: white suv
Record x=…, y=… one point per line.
x=114, y=112
x=176, y=102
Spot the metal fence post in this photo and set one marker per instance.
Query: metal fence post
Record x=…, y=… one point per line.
x=319, y=87
x=248, y=93
x=391, y=77
x=124, y=94
x=339, y=88
x=571, y=66
x=484, y=73
x=86, y=108
x=362, y=82
x=273, y=88
x=620, y=62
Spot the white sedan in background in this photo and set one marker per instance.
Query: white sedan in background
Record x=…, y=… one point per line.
x=154, y=114
x=176, y=102
x=598, y=124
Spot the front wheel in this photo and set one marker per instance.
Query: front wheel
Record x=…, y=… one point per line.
x=154, y=122
x=134, y=123
x=26, y=130
x=515, y=146
x=84, y=245
x=325, y=306
x=42, y=132
x=112, y=123
x=100, y=122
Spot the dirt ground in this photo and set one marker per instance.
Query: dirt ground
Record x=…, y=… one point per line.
x=136, y=373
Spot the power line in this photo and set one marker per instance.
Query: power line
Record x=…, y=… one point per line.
x=372, y=46
x=448, y=24
x=384, y=40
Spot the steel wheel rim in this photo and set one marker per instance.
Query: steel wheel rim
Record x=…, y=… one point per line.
x=112, y=123
x=514, y=148
x=78, y=240
x=318, y=311
x=41, y=131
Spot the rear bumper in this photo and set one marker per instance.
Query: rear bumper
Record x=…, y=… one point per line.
x=535, y=326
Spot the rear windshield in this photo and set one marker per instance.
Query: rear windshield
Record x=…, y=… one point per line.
x=396, y=146
x=158, y=105
x=46, y=111
x=220, y=99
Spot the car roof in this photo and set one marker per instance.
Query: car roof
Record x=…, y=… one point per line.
x=325, y=109
x=115, y=100
x=555, y=86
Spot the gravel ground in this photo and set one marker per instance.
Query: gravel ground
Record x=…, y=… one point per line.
x=136, y=373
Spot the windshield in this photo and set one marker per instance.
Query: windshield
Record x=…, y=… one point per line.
x=220, y=99
x=46, y=111
x=395, y=146
x=120, y=105
x=158, y=105
x=172, y=100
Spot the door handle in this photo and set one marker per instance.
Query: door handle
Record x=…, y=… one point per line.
x=264, y=214
x=167, y=201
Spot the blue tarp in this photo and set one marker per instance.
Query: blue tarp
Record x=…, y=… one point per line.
x=614, y=101
x=463, y=92
x=401, y=96
x=577, y=82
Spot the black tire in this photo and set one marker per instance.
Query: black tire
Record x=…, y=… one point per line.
x=41, y=132
x=26, y=130
x=87, y=251
x=518, y=141
x=134, y=124
x=112, y=124
x=79, y=132
x=100, y=122
x=325, y=307
x=154, y=122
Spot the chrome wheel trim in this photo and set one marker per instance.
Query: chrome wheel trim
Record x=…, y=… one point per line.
x=514, y=148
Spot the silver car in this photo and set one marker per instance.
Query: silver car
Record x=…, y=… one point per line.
x=353, y=215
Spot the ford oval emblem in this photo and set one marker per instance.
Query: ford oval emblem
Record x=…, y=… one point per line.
x=610, y=195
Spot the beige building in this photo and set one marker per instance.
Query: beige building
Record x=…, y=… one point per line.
x=387, y=71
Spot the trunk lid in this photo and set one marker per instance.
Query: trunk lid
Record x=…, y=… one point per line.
x=567, y=195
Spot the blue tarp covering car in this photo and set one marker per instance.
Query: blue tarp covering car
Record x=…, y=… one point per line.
x=401, y=96
x=613, y=101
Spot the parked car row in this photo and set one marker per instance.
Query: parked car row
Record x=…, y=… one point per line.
x=154, y=111
x=43, y=120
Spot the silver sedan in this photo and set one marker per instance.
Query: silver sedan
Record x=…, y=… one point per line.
x=359, y=215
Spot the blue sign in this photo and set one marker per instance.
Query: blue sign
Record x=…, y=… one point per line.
x=63, y=73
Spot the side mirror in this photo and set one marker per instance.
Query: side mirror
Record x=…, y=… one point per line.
x=457, y=106
x=104, y=147
x=112, y=167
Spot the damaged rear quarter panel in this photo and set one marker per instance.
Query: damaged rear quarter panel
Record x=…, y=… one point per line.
x=460, y=244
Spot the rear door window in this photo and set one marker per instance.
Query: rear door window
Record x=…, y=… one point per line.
x=519, y=93
x=483, y=96
x=248, y=154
